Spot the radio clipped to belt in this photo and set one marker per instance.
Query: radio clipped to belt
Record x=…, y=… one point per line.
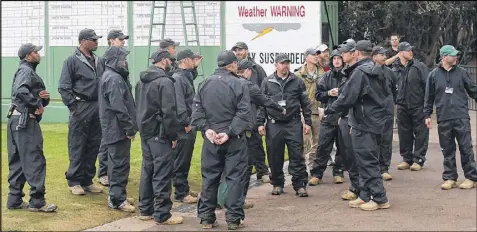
x=11, y=109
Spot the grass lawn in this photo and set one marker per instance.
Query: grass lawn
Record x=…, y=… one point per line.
x=74, y=212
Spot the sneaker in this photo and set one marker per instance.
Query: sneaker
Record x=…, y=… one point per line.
x=77, y=190
x=126, y=207
x=247, y=205
x=174, y=220
x=371, y=206
x=47, y=208
x=93, y=188
x=234, y=226
x=209, y=225
x=338, y=179
x=416, y=167
x=23, y=205
x=386, y=176
x=348, y=196
x=302, y=192
x=356, y=203
x=468, y=184
x=104, y=180
x=449, y=184
x=265, y=179
x=277, y=190
x=146, y=217
x=403, y=166
x=315, y=181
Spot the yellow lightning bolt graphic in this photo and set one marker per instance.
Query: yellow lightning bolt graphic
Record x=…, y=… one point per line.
x=263, y=32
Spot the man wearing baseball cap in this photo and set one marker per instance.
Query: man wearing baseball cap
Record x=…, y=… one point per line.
x=255, y=142
x=282, y=86
x=258, y=99
x=221, y=111
x=323, y=58
x=78, y=87
x=155, y=93
x=26, y=161
x=366, y=94
x=413, y=134
x=385, y=153
x=116, y=38
x=184, y=88
x=445, y=87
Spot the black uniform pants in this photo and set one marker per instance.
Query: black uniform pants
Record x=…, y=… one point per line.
x=249, y=167
x=366, y=148
x=103, y=160
x=327, y=137
x=278, y=135
x=155, y=187
x=386, y=146
x=255, y=144
x=26, y=163
x=84, y=139
x=449, y=131
x=231, y=160
x=119, y=155
x=182, y=158
x=413, y=133
x=347, y=153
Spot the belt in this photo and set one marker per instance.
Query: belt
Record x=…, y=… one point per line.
x=15, y=112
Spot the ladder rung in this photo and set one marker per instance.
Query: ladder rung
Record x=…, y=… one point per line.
x=156, y=40
x=163, y=7
x=189, y=24
x=188, y=6
x=192, y=41
x=158, y=24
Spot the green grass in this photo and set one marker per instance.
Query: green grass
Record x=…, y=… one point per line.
x=74, y=212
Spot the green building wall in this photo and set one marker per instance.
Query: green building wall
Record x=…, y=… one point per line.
x=51, y=64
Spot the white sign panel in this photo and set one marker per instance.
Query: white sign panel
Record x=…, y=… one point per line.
x=272, y=27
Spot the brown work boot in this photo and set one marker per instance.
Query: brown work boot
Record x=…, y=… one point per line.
x=468, y=184
x=234, y=226
x=190, y=199
x=93, y=188
x=314, y=181
x=247, y=205
x=403, y=166
x=146, y=217
x=356, y=203
x=174, y=220
x=209, y=225
x=193, y=193
x=47, y=208
x=449, y=184
x=126, y=207
x=338, y=179
x=348, y=196
x=386, y=176
x=130, y=200
x=416, y=167
x=302, y=192
x=371, y=206
x=103, y=180
x=77, y=190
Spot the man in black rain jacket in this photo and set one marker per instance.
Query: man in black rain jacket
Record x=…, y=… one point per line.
x=221, y=111
x=158, y=126
x=117, y=115
x=448, y=86
x=365, y=95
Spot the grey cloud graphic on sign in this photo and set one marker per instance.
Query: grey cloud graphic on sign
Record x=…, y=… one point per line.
x=265, y=28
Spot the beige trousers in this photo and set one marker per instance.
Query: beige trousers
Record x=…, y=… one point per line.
x=310, y=141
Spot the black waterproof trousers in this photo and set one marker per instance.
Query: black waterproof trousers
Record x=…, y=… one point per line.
x=413, y=134
x=182, y=159
x=348, y=155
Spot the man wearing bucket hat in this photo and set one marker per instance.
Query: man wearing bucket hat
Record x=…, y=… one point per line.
x=448, y=87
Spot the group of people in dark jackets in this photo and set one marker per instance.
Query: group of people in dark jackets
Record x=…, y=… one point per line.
x=353, y=98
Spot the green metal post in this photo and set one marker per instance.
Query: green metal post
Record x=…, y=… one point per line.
x=151, y=21
x=46, y=35
x=222, y=25
x=132, y=53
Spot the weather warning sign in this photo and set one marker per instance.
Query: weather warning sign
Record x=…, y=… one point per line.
x=273, y=27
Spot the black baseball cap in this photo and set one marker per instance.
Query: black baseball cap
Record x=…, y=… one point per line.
x=159, y=55
x=404, y=46
x=378, y=50
x=225, y=58
x=241, y=45
x=26, y=49
x=364, y=45
x=168, y=42
x=245, y=64
x=186, y=53
x=113, y=34
x=88, y=34
x=282, y=57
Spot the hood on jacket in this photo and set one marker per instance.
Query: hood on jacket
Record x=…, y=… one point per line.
x=115, y=57
x=333, y=54
x=153, y=73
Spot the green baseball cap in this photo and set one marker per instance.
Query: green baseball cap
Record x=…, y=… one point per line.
x=448, y=50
